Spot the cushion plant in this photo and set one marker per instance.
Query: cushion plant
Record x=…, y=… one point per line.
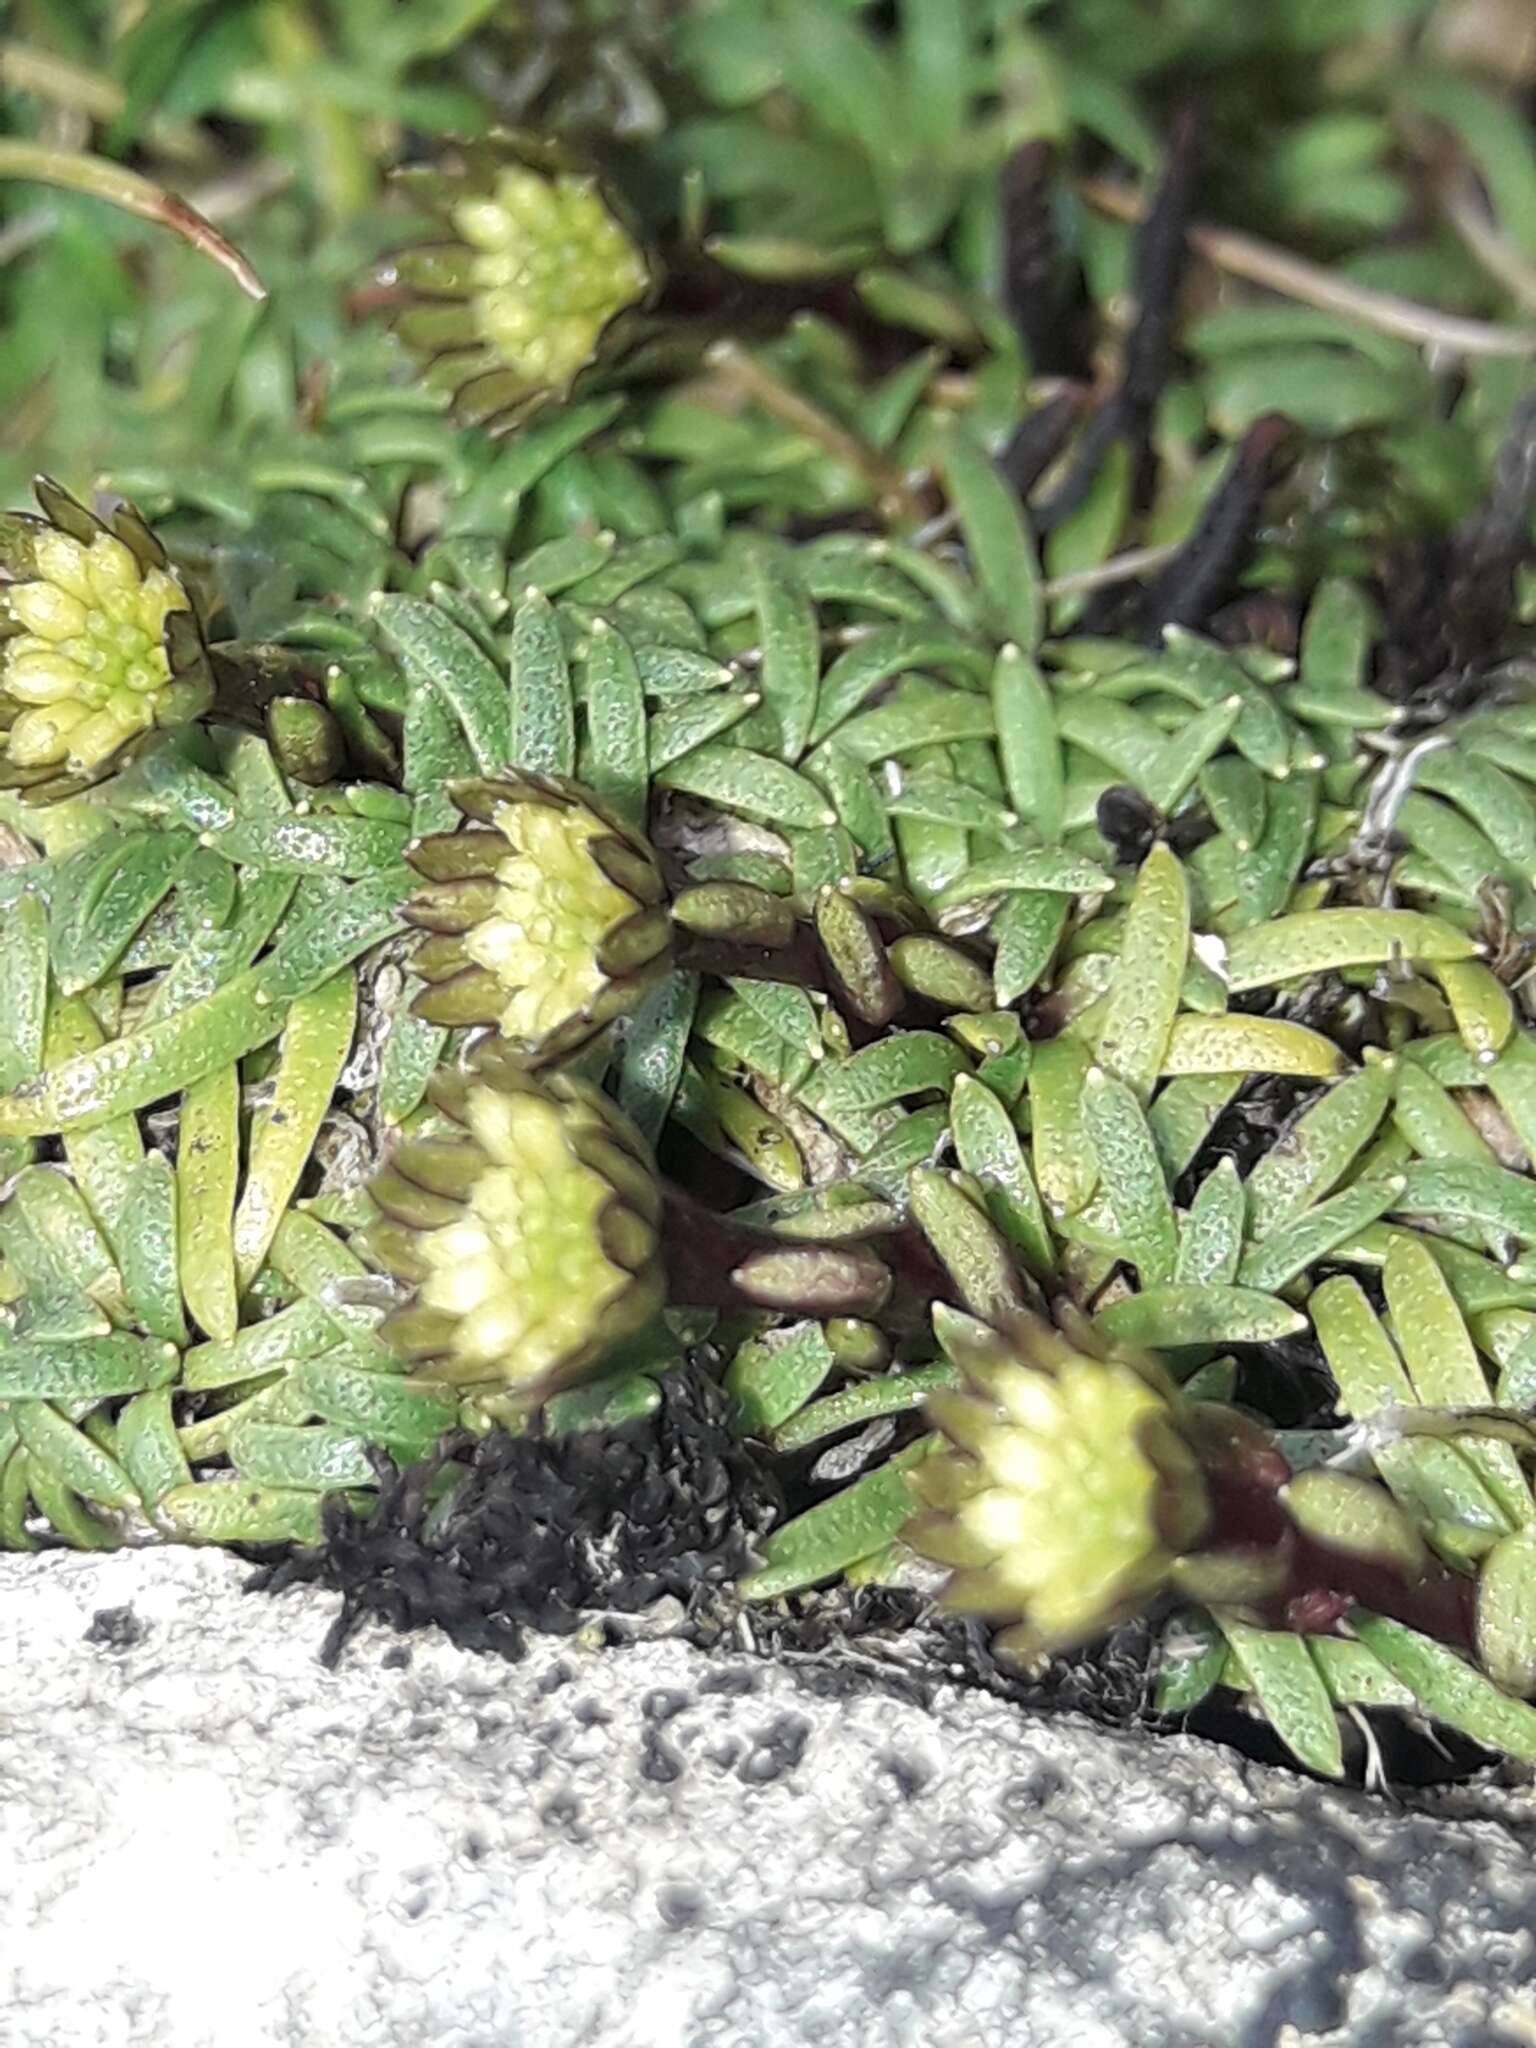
x=818, y=834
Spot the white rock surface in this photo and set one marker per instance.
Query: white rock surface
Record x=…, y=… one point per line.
x=211, y=1842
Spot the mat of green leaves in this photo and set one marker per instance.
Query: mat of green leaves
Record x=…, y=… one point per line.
x=203, y=961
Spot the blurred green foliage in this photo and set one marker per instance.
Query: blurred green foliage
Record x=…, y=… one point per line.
x=814, y=143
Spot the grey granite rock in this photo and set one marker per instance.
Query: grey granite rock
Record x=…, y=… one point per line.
x=207, y=1839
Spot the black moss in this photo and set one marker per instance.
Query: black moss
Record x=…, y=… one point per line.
x=1259, y=1115
x=850, y=1641
x=1205, y=569
x=491, y=1537
x=1449, y=599
x=1158, y=261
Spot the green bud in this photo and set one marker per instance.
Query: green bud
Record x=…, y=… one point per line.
x=859, y=1347
x=306, y=740
x=989, y=1033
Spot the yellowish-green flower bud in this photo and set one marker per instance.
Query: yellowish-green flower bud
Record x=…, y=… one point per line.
x=1065, y=1493
x=101, y=644
x=529, y=1235
x=516, y=304
x=548, y=915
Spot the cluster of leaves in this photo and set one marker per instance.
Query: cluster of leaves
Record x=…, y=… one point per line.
x=200, y=906
x=1194, y=900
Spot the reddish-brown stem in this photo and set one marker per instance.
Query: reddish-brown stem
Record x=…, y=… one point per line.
x=1323, y=1584
x=801, y=961
x=895, y=1275
x=711, y=1263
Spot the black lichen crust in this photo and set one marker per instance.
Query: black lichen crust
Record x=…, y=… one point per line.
x=495, y=1535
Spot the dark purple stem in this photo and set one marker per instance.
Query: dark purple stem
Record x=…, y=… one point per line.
x=801, y=962
x=1158, y=264
x=714, y=1262
x=1040, y=438
x=1032, y=268
x=1106, y=427
x=1324, y=1583
x=1161, y=253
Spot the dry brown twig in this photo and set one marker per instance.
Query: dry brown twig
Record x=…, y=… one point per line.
x=1295, y=278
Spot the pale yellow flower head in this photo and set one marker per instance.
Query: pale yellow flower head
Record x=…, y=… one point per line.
x=554, y=909
x=551, y=268
x=90, y=669
x=548, y=915
x=1065, y=1492
x=530, y=1235
x=525, y=287
x=99, y=644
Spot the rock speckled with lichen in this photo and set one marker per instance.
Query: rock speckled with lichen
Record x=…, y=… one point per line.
x=209, y=1839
